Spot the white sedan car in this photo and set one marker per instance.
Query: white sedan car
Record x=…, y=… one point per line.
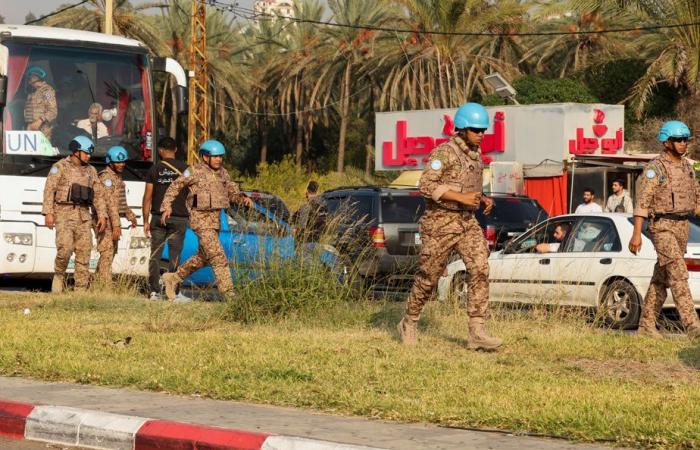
x=591, y=266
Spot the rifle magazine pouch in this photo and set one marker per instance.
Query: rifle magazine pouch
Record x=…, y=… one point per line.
x=81, y=195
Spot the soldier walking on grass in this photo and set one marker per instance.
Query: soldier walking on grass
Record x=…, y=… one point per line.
x=72, y=187
x=668, y=194
x=115, y=199
x=210, y=191
x=452, y=183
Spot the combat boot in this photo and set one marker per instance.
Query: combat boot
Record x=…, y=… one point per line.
x=170, y=282
x=479, y=338
x=649, y=331
x=693, y=331
x=408, y=330
x=57, y=284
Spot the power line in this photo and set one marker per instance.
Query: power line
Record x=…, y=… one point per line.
x=56, y=12
x=233, y=7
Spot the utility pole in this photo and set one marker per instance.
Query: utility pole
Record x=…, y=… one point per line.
x=198, y=118
x=109, y=9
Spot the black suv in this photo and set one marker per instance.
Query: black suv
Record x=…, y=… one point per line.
x=377, y=228
x=512, y=215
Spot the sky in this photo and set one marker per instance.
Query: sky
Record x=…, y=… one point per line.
x=14, y=11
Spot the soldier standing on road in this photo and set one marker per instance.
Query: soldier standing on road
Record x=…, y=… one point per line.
x=115, y=199
x=668, y=194
x=210, y=191
x=452, y=183
x=71, y=188
x=40, y=110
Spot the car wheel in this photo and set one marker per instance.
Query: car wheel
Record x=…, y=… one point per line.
x=620, y=305
x=458, y=290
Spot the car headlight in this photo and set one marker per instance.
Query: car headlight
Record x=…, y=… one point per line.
x=18, y=238
x=139, y=242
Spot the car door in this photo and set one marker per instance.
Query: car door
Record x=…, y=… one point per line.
x=590, y=255
x=516, y=271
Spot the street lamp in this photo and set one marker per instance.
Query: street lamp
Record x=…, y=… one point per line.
x=502, y=88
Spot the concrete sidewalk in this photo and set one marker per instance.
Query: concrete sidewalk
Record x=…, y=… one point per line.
x=269, y=419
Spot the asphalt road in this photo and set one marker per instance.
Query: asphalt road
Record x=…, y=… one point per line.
x=10, y=444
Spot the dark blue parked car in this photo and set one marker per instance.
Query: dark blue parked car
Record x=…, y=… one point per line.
x=247, y=237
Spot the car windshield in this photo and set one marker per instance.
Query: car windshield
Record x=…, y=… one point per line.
x=693, y=230
x=514, y=210
x=251, y=221
x=55, y=93
x=402, y=208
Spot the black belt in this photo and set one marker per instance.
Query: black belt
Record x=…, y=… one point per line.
x=671, y=216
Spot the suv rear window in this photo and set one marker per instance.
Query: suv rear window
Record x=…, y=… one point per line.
x=514, y=210
x=402, y=208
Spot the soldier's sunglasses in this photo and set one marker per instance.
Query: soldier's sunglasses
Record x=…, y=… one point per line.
x=679, y=139
x=477, y=130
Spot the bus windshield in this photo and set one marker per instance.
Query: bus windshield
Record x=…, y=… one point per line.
x=56, y=92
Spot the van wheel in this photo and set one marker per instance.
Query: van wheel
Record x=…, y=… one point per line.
x=620, y=306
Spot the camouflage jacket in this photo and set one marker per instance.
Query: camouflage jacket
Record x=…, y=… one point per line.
x=667, y=187
x=115, y=197
x=41, y=104
x=57, y=190
x=210, y=191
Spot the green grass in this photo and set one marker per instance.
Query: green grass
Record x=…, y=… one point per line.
x=556, y=375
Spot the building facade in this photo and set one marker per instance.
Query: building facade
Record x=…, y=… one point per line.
x=284, y=8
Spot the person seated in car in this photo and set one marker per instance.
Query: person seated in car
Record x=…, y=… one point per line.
x=93, y=125
x=560, y=232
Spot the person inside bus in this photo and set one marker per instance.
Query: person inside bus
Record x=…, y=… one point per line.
x=93, y=125
x=41, y=109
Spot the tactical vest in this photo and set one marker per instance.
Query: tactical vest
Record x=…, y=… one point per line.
x=209, y=192
x=664, y=199
x=75, y=186
x=119, y=187
x=464, y=176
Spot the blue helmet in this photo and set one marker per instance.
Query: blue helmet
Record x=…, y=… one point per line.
x=673, y=129
x=81, y=144
x=471, y=115
x=36, y=70
x=116, y=154
x=212, y=147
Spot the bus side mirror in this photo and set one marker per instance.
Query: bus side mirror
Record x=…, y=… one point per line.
x=3, y=90
x=181, y=99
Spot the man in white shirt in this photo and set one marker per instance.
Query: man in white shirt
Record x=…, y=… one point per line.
x=93, y=124
x=620, y=200
x=589, y=205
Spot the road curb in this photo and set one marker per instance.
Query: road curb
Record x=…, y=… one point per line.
x=99, y=430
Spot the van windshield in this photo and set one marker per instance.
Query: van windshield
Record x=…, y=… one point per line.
x=56, y=92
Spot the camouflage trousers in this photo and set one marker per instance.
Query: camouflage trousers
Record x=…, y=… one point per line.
x=210, y=251
x=670, y=239
x=107, y=248
x=73, y=235
x=437, y=246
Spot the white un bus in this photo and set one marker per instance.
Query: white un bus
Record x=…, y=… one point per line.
x=84, y=68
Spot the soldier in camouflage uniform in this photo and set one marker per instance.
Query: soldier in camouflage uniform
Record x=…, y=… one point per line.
x=210, y=191
x=40, y=110
x=71, y=188
x=115, y=198
x=452, y=183
x=668, y=194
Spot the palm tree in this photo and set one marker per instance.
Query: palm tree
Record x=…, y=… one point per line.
x=128, y=20
x=347, y=50
x=427, y=70
x=570, y=53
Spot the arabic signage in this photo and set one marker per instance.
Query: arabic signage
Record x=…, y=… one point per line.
x=526, y=134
